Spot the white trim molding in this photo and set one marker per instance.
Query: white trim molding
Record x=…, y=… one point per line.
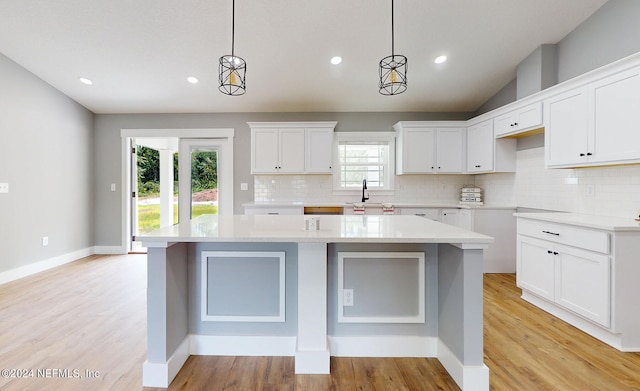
x=468, y=377
x=162, y=374
x=45, y=264
x=204, y=284
x=420, y=311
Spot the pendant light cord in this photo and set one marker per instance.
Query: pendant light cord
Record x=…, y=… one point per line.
x=233, y=27
x=392, y=37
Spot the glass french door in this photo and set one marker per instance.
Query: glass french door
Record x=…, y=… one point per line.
x=203, y=174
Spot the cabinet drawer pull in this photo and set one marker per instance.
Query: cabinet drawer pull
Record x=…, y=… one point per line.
x=551, y=233
x=549, y=252
x=589, y=154
x=273, y=213
x=420, y=214
x=555, y=253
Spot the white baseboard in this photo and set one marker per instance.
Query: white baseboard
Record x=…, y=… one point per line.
x=249, y=345
x=383, y=346
x=40, y=266
x=109, y=250
x=313, y=362
x=468, y=377
x=162, y=374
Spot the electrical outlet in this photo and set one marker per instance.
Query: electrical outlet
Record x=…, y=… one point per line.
x=591, y=190
x=4, y=187
x=45, y=240
x=244, y=186
x=347, y=298
x=113, y=187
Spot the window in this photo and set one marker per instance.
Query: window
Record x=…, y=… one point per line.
x=364, y=155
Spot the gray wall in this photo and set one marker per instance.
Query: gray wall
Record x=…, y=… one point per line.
x=108, y=149
x=46, y=156
x=610, y=34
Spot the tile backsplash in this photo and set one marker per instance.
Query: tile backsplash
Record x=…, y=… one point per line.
x=408, y=188
x=609, y=191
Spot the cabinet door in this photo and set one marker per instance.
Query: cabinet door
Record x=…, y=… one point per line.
x=449, y=150
x=264, y=151
x=319, y=145
x=529, y=117
x=583, y=283
x=566, y=129
x=480, y=147
x=504, y=124
x=418, y=151
x=616, y=134
x=536, y=267
x=291, y=149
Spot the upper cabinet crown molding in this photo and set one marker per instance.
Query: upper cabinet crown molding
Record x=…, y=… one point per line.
x=303, y=124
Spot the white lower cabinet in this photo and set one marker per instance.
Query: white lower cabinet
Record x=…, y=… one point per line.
x=584, y=270
x=576, y=279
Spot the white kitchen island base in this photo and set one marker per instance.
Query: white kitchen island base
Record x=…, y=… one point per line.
x=452, y=332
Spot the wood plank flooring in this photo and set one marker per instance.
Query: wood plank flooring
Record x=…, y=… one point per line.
x=90, y=316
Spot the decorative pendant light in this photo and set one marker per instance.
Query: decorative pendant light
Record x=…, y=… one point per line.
x=393, y=70
x=232, y=69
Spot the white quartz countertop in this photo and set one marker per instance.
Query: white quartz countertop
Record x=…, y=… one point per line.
x=333, y=229
x=373, y=204
x=584, y=220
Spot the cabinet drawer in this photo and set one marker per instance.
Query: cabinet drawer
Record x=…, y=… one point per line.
x=587, y=239
x=260, y=210
x=430, y=213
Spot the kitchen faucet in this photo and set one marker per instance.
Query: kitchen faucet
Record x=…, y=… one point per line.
x=365, y=196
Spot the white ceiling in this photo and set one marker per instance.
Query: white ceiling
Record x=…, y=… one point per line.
x=139, y=52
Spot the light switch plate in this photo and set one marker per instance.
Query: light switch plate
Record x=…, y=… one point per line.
x=113, y=187
x=4, y=187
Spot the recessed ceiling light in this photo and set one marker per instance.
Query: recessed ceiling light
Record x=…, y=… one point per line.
x=192, y=80
x=336, y=60
x=86, y=81
x=440, y=59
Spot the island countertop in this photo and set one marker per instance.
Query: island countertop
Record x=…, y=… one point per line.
x=334, y=229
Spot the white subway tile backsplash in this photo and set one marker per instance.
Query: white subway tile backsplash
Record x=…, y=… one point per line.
x=615, y=190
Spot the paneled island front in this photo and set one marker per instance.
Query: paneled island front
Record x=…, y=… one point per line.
x=358, y=285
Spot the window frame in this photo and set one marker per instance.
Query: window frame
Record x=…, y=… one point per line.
x=365, y=136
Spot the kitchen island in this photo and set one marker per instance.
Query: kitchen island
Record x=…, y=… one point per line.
x=357, y=286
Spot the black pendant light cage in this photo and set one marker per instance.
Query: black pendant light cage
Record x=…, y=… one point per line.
x=232, y=69
x=393, y=69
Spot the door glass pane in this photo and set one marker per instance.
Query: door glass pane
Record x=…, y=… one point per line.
x=204, y=182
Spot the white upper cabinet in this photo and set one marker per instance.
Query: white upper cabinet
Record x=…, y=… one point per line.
x=595, y=124
x=277, y=151
x=487, y=154
x=566, y=132
x=616, y=127
x=480, y=143
x=318, y=158
x=291, y=147
x=423, y=149
x=519, y=121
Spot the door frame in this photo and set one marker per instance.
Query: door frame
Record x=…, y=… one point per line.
x=125, y=184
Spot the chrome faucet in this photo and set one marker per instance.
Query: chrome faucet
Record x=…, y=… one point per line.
x=365, y=196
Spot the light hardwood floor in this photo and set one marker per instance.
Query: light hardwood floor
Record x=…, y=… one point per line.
x=90, y=316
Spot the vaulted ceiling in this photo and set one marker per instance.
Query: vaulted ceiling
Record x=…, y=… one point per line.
x=139, y=53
